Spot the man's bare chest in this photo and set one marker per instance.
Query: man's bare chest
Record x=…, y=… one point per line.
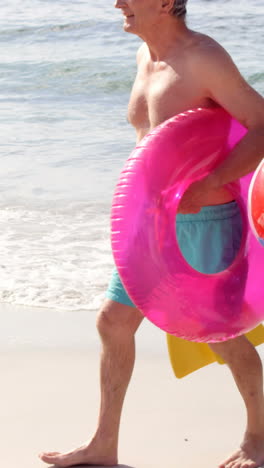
x=159, y=96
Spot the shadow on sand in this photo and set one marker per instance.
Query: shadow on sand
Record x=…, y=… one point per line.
x=96, y=466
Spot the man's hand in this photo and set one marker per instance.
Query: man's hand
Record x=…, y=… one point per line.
x=196, y=196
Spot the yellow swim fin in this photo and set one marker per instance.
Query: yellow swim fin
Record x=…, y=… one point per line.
x=187, y=357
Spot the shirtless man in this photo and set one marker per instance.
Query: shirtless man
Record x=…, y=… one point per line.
x=179, y=69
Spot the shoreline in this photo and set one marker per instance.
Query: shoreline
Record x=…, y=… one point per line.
x=25, y=328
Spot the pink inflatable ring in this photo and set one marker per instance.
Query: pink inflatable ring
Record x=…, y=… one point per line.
x=168, y=291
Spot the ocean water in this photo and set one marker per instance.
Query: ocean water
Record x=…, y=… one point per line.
x=66, y=72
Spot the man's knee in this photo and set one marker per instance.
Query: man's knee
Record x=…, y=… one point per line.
x=237, y=349
x=118, y=320
x=225, y=347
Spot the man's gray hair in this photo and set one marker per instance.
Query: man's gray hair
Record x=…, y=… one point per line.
x=179, y=8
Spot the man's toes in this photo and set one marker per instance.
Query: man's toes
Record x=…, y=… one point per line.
x=49, y=456
x=243, y=464
x=239, y=464
x=227, y=463
x=233, y=464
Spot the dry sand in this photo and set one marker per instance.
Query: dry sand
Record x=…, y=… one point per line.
x=49, y=401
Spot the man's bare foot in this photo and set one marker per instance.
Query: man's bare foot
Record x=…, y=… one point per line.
x=250, y=454
x=85, y=455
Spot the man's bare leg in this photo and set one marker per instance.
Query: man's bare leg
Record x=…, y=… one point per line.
x=117, y=325
x=246, y=367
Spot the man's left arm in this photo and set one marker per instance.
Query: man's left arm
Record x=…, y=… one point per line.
x=224, y=85
x=228, y=88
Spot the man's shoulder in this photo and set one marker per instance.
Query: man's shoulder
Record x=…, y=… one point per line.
x=204, y=48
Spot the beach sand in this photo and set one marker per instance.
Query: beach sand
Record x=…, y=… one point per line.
x=49, y=401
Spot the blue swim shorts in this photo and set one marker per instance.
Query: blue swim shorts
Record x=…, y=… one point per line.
x=209, y=241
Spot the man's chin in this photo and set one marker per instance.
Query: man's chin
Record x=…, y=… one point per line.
x=129, y=28
x=129, y=24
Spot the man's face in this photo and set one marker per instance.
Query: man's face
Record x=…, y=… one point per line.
x=139, y=15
